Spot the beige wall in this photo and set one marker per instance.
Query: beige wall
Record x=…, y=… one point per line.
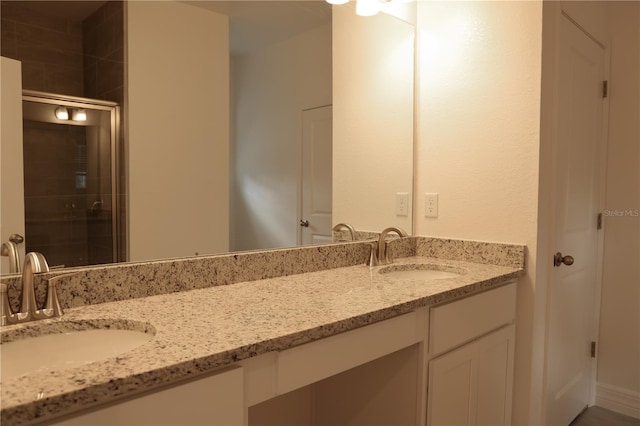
x=619, y=352
x=178, y=121
x=11, y=156
x=479, y=146
x=478, y=138
x=373, y=129
x=271, y=88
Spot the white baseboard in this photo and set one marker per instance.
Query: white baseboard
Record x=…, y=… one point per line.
x=617, y=399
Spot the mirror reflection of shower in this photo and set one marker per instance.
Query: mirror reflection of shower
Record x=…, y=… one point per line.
x=69, y=178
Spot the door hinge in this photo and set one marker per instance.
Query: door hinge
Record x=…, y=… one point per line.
x=593, y=349
x=605, y=88
x=599, y=220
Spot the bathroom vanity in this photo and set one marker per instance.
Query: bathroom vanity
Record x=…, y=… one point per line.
x=349, y=345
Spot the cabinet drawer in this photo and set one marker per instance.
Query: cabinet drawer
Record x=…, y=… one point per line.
x=215, y=400
x=311, y=362
x=461, y=321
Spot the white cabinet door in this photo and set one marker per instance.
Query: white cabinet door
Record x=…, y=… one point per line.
x=449, y=391
x=494, y=368
x=215, y=400
x=472, y=385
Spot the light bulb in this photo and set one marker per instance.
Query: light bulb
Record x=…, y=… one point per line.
x=62, y=113
x=367, y=7
x=79, y=115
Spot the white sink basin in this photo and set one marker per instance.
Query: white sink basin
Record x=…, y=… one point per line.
x=57, y=350
x=421, y=272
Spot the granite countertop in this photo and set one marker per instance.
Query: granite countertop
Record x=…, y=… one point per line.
x=200, y=330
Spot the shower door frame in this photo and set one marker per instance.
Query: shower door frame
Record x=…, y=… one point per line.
x=96, y=104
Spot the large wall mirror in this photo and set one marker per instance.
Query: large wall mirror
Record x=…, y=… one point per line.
x=240, y=122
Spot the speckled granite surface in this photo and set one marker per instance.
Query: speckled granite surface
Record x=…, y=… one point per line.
x=206, y=328
x=100, y=284
x=345, y=236
x=472, y=251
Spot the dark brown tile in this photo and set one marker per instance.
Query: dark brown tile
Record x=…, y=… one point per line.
x=90, y=77
x=28, y=52
x=117, y=56
x=27, y=12
x=7, y=29
x=75, y=28
x=113, y=9
x=89, y=61
x=109, y=75
x=117, y=23
x=103, y=37
x=63, y=79
x=114, y=95
x=8, y=46
x=48, y=39
x=32, y=75
x=90, y=41
x=105, y=42
x=9, y=49
x=94, y=20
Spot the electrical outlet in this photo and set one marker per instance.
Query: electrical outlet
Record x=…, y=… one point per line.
x=402, y=204
x=431, y=204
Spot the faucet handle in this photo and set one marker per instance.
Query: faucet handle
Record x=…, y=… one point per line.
x=52, y=305
x=373, y=255
x=387, y=257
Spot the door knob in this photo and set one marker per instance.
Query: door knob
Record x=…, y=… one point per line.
x=304, y=223
x=559, y=259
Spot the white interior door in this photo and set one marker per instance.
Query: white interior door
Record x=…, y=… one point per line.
x=577, y=181
x=315, y=221
x=11, y=164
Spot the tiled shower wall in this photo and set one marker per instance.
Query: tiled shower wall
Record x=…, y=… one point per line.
x=103, y=49
x=49, y=47
x=59, y=55
x=104, y=64
x=63, y=56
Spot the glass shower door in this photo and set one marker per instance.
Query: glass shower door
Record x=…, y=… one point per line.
x=69, y=180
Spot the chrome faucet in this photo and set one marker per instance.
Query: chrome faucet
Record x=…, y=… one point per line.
x=34, y=263
x=350, y=228
x=379, y=252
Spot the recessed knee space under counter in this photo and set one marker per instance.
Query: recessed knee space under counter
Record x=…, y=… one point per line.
x=323, y=343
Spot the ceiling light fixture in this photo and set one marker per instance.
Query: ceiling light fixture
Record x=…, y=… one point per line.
x=79, y=115
x=62, y=113
x=368, y=7
x=363, y=7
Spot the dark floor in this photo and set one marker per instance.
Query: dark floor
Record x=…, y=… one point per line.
x=598, y=416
